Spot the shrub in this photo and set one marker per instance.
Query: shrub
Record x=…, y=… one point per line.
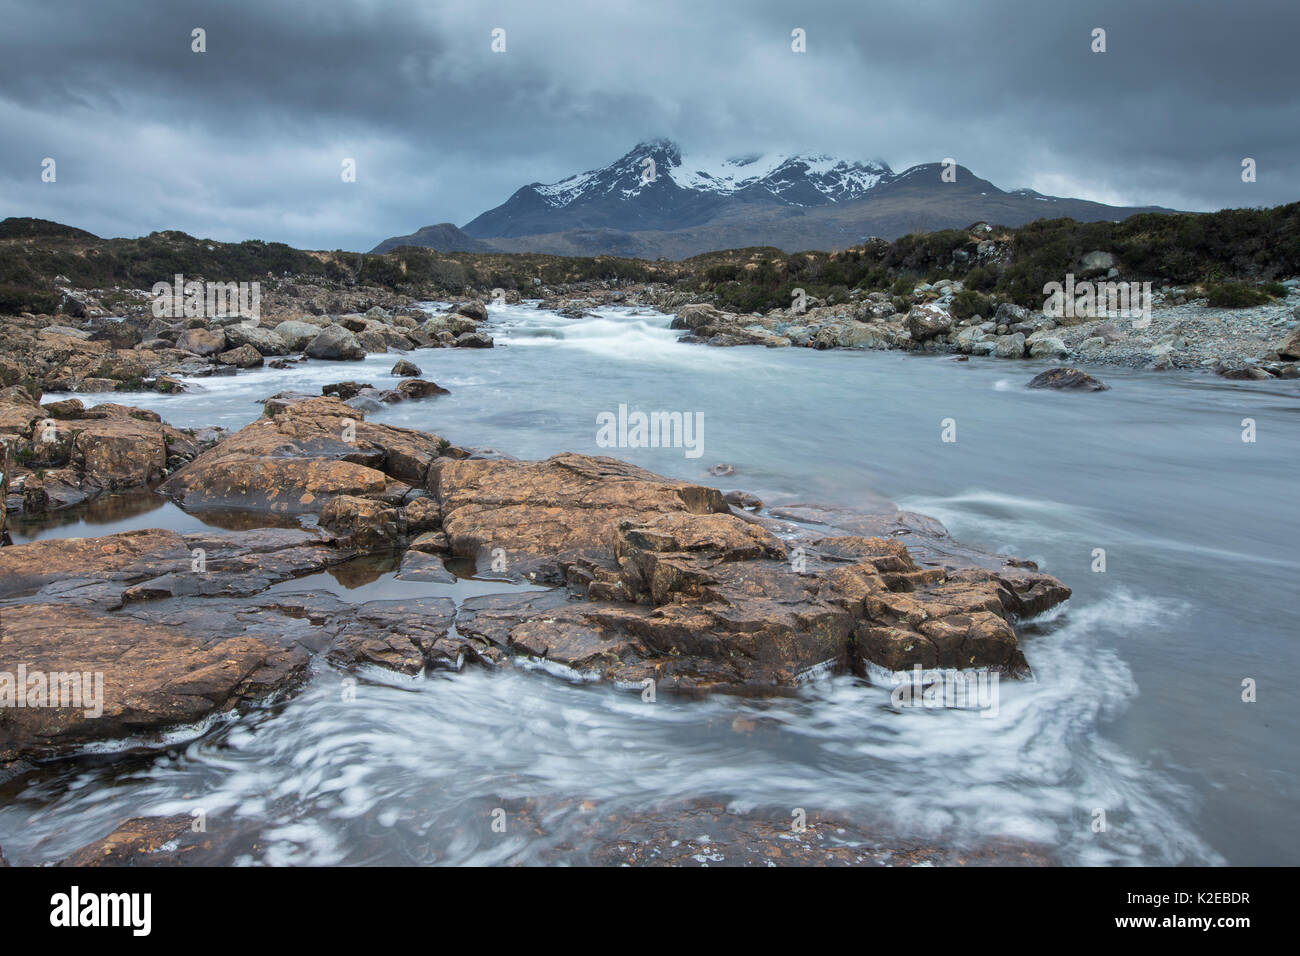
x=981, y=279
x=1236, y=295
x=968, y=302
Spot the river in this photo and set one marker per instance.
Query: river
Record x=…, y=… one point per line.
x=1136, y=707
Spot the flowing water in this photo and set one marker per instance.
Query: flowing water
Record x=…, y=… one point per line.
x=1137, y=707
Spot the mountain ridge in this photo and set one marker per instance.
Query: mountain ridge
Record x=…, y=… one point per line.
x=655, y=201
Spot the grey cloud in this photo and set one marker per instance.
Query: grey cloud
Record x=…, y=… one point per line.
x=247, y=139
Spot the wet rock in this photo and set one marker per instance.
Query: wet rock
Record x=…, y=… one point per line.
x=146, y=841
x=424, y=566
x=344, y=390
x=474, y=310
x=413, y=388
x=1242, y=373
x=474, y=340
x=362, y=523
x=405, y=369
x=1067, y=379
x=335, y=343
x=743, y=500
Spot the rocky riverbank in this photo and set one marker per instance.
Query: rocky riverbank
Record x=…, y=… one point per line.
x=1260, y=342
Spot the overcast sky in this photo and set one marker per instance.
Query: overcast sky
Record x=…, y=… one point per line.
x=247, y=139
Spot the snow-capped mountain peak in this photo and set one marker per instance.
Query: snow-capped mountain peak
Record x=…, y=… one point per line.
x=797, y=180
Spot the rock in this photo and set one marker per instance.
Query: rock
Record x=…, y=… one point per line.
x=1095, y=263
x=424, y=566
x=1094, y=342
x=307, y=452
x=202, y=341
x=1010, y=314
x=335, y=343
x=419, y=388
x=722, y=470
x=243, y=357
x=405, y=369
x=344, y=390
x=1290, y=349
x=968, y=337
x=361, y=523
x=296, y=335
x=1067, y=378
x=925, y=322
x=174, y=645
x=266, y=341
x=698, y=316
x=543, y=514
x=1242, y=373
x=454, y=324
x=473, y=340
x=743, y=500
x=474, y=310
x=65, y=330
x=1010, y=346
x=1048, y=347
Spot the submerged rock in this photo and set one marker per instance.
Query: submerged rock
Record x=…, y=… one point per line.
x=1069, y=379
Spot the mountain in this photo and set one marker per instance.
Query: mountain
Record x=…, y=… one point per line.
x=655, y=202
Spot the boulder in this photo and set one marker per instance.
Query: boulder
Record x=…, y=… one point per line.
x=266, y=341
x=202, y=341
x=1290, y=349
x=1010, y=346
x=473, y=310
x=405, y=369
x=245, y=356
x=1048, y=347
x=473, y=340
x=335, y=343
x=925, y=322
x=296, y=335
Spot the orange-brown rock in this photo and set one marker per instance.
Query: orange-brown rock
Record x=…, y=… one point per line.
x=296, y=460
x=543, y=515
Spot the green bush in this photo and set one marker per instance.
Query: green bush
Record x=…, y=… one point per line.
x=1236, y=295
x=967, y=302
x=981, y=279
x=1276, y=289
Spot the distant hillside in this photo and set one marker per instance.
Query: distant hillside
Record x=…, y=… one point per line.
x=989, y=258
x=444, y=237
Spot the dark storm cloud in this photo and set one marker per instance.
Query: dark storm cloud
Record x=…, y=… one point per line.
x=247, y=139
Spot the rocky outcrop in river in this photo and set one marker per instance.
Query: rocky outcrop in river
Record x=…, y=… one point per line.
x=647, y=579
